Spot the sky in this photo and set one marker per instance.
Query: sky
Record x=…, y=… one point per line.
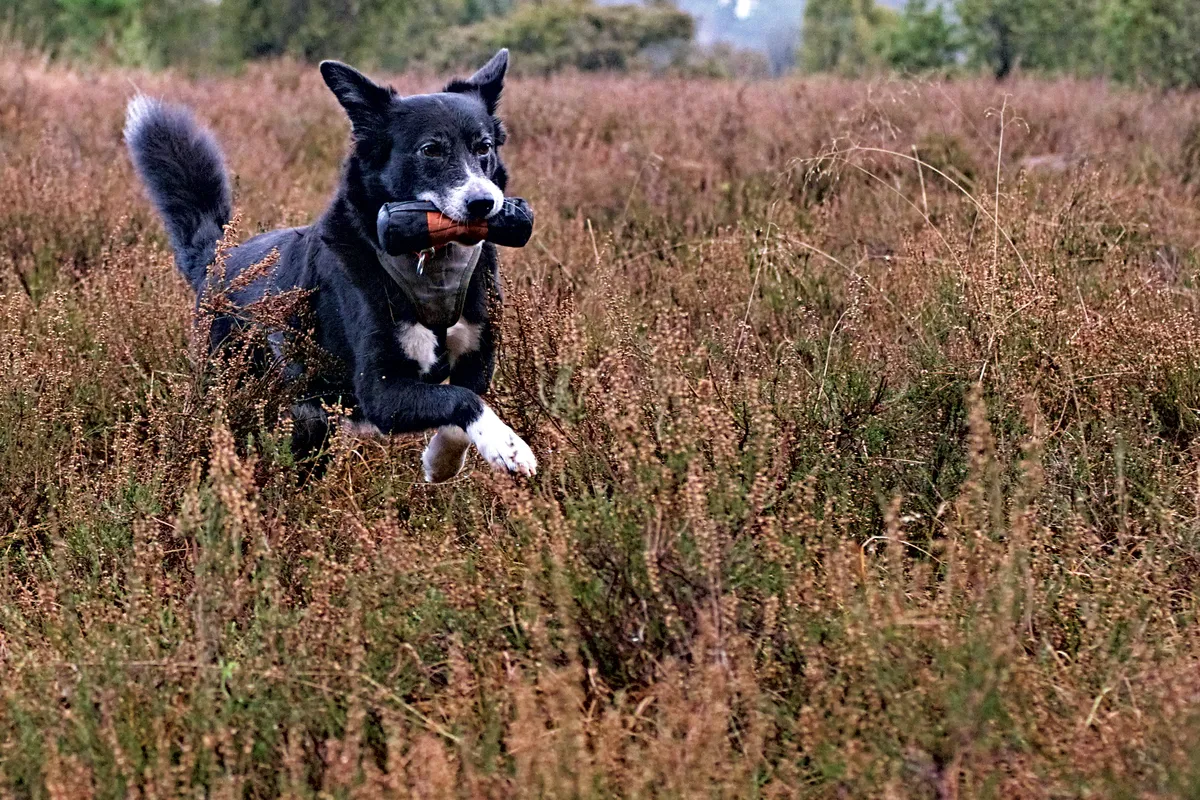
x=749, y=23
x=741, y=8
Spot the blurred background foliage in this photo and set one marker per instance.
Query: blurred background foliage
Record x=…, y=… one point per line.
x=1154, y=42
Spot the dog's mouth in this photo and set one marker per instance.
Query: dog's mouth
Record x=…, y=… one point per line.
x=432, y=256
x=415, y=226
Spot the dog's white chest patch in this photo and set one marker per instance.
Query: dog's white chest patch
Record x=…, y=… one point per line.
x=421, y=344
x=418, y=343
x=462, y=338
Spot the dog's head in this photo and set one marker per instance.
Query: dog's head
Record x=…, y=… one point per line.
x=441, y=147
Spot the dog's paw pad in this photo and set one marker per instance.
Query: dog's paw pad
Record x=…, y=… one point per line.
x=500, y=446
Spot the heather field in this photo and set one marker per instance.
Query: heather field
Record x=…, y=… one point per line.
x=867, y=416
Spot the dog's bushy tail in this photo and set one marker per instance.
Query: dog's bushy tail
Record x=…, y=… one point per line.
x=184, y=171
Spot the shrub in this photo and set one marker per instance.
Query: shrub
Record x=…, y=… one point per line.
x=851, y=484
x=921, y=40
x=565, y=33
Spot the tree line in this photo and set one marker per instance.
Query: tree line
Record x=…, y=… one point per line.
x=1148, y=41
x=382, y=34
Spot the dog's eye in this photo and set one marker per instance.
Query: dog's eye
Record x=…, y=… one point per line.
x=483, y=148
x=432, y=150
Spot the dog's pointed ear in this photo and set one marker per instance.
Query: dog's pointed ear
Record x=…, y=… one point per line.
x=364, y=100
x=488, y=81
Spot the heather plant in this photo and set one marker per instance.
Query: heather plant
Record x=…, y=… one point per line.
x=869, y=460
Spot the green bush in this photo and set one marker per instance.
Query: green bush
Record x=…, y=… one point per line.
x=842, y=35
x=1056, y=36
x=1152, y=41
x=150, y=33
x=565, y=34
x=378, y=33
x=922, y=39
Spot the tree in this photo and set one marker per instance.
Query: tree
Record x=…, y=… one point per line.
x=565, y=33
x=135, y=32
x=377, y=33
x=1042, y=35
x=841, y=35
x=922, y=39
x=1156, y=41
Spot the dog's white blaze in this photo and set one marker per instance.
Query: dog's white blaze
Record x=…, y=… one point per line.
x=499, y=444
x=462, y=337
x=453, y=201
x=418, y=343
x=137, y=113
x=444, y=456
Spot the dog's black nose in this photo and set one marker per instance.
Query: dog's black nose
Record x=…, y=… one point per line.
x=479, y=207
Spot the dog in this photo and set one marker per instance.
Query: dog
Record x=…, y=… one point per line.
x=397, y=375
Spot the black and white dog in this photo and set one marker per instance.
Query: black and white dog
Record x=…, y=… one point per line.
x=442, y=148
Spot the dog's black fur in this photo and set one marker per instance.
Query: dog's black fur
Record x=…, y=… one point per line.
x=441, y=146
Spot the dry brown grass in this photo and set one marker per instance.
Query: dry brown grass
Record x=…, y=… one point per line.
x=864, y=474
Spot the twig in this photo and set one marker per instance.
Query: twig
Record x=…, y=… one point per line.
x=921, y=176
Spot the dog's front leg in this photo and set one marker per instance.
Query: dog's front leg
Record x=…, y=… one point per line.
x=445, y=454
x=406, y=406
x=472, y=350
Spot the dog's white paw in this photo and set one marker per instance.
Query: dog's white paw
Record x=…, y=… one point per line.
x=445, y=454
x=499, y=444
